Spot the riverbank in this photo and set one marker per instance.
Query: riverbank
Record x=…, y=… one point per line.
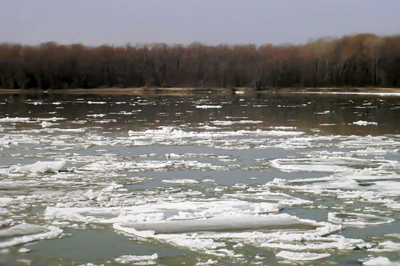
x=242, y=90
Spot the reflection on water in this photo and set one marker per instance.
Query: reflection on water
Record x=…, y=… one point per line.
x=332, y=114
x=203, y=179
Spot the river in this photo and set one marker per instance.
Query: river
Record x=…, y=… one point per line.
x=199, y=179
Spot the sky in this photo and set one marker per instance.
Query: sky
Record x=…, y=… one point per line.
x=118, y=22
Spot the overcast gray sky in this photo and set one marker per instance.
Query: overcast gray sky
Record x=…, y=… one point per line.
x=118, y=22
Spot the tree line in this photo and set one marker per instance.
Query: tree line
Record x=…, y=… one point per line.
x=351, y=61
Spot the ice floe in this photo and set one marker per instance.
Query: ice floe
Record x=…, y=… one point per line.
x=138, y=260
x=208, y=262
x=364, y=123
x=25, y=233
x=15, y=119
x=40, y=167
x=387, y=246
x=357, y=219
x=266, y=196
x=189, y=224
x=229, y=123
x=301, y=256
x=381, y=261
x=159, y=212
x=180, y=181
x=208, y=106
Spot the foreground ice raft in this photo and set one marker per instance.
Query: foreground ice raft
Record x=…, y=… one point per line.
x=40, y=167
x=211, y=226
x=25, y=233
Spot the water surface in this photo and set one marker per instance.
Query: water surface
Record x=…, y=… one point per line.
x=253, y=179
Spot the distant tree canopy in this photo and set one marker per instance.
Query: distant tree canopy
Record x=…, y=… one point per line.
x=352, y=61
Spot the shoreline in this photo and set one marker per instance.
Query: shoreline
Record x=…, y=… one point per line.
x=242, y=90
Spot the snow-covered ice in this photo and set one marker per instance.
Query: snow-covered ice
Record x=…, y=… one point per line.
x=40, y=167
x=301, y=256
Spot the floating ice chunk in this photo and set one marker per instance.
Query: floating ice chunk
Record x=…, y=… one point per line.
x=220, y=224
x=173, y=156
x=301, y=256
x=228, y=123
x=314, y=241
x=52, y=119
x=208, y=127
x=97, y=115
x=22, y=229
x=26, y=233
x=208, y=106
x=92, y=102
x=282, y=199
x=111, y=165
x=193, y=243
x=4, y=251
x=371, y=151
x=113, y=187
x=221, y=139
x=393, y=205
x=326, y=124
x=334, y=163
x=349, y=187
x=394, y=235
x=23, y=250
x=280, y=133
x=45, y=129
x=137, y=260
x=329, y=165
x=45, y=124
x=279, y=231
x=4, y=211
x=180, y=181
x=388, y=188
x=40, y=167
x=284, y=128
x=387, y=246
x=15, y=119
x=208, y=262
x=222, y=123
x=76, y=130
x=4, y=201
x=238, y=245
x=357, y=219
x=381, y=261
x=163, y=212
x=323, y=113
x=364, y=123
x=133, y=231
x=181, y=240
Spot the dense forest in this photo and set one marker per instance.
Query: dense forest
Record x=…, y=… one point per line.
x=352, y=61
